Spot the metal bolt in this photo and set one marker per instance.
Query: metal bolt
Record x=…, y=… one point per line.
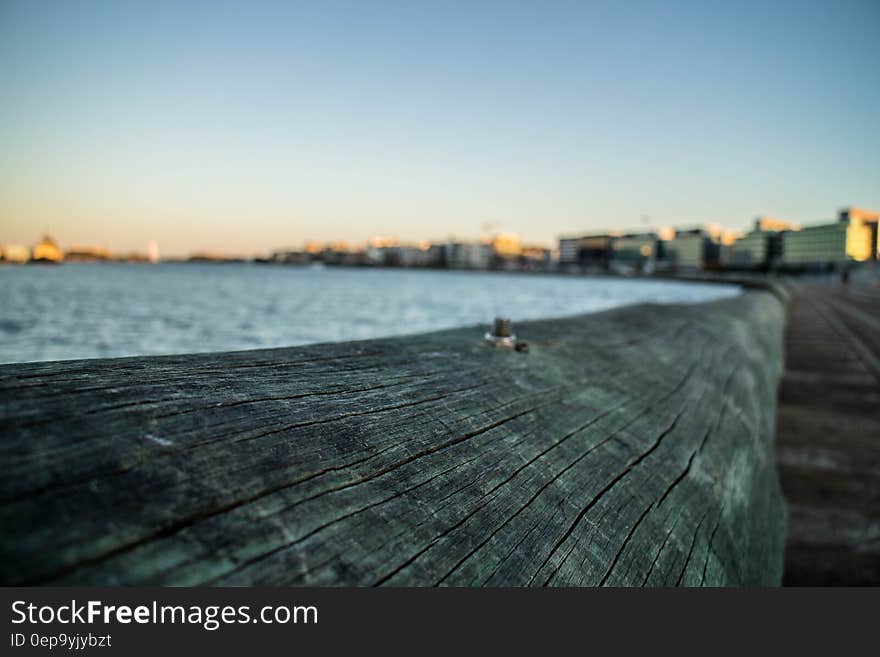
x=501, y=328
x=501, y=334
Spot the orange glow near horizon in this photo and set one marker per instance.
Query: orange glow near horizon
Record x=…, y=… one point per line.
x=666, y=233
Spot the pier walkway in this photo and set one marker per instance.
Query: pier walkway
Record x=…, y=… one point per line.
x=828, y=435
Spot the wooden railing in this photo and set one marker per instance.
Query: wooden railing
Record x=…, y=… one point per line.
x=630, y=447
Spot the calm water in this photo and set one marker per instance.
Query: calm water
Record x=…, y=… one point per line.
x=99, y=310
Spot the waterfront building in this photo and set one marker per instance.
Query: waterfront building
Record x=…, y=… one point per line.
x=819, y=245
x=633, y=252
x=388, y=252
x=853, y=237
x=535, y=258
x=199, y=256
x=691, y=249
x=436, y=255
x=382, y=251
x=15, y=253
x=760, y=248
x=506, y=251
x=153, y=251
x=415, y=255
x=134, y=256
x=339, y=253
x=453, y=254
x=569, y=250
x=863, y=237
x=46, y=250
x=87, y=254
x=468, y=255
x=506, y=245
x=753, y=250
x=591, y=251
x=289, y=257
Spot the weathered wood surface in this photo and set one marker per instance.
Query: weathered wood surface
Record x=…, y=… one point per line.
x=631, y=447
x=828, y=435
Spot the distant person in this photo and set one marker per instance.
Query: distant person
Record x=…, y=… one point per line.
x=844, y=276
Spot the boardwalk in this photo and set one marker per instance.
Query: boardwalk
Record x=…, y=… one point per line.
x=829, y=435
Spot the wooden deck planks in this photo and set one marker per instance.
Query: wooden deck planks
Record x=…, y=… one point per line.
x=828, y=449
x=625, y=448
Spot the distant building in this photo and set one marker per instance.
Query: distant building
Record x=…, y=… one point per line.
x=199, y=256
x=569, y=251
x=535, y=258
x=339, y=254
x=436, y=255
x=134, y=256
x=591, y=251
x=383, y=252
x=468, y=255
x=633, y=252
x=622, y=253
x=289, y=257
x=815, y=245
x=313, y=248
x=753, y=250
x=46, y=251
x=692, y=249
x=355, y=258
x=771, y=224
x=760, y=248
x=388, y=252
x=87, y=254
x=853, y=237
x=506, y=246
x=15, y=253
x=153, y=251
x=863, y=237
x=416, y=255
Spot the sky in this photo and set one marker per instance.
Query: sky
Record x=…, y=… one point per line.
x=249, y=126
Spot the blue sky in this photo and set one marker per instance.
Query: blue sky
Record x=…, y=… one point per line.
x=247, y=126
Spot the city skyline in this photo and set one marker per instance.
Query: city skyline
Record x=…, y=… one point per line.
x=852, y=235
x=248, y=129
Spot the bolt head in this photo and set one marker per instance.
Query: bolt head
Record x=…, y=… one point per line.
x=501, y=334
x=501, y=327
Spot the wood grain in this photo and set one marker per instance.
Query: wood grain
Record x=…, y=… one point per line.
x=631, y=447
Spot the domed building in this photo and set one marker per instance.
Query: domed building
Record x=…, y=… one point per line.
x=46, y=251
